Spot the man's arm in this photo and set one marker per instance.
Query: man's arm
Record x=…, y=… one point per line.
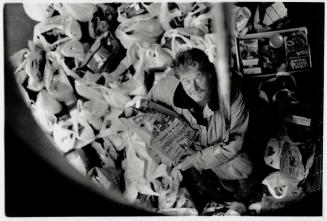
x=219, y=154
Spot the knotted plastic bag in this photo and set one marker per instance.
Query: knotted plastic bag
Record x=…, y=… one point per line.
x=39, y=12
x=135, y=166
x=133, y=31
x=44, y=110
x=56, y=81
x=279, y=185
x=103, y=20
x=64, y=137
x=199, y=18
x=176, y=40
x=80, y=11
x=137, y=11
x=56, y=30
x=34, y=67
x=172, y=14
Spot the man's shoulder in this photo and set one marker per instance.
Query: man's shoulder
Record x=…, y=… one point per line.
x=168, y=81
x=167, y=84
x=164, y=89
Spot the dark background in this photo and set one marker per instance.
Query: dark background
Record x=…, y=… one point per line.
x=39, y=181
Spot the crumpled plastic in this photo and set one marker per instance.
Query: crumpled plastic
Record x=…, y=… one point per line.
x=143, y=57
x=64, y=138
x=88, y=90
x=17, y=60
x=75, y=159
x=92, y=111
x=114, y=97
x=39, y=12
x=279, y=185
x=73, y=49
x=175, y=40
x=45, y=121
x=106, y=160
x=144, y=30
x=47, y=103
x=80, y=11
x=82, y=129
x=107, y=178
x=56, y=30
x=111, y=124
x=33, y=67
x=240, y=20
x=272, y=153
x=199, y=17
x=56, y=81
x=135, y=165
x=137, y=11
x=168, y=188
x=172, y=14
x=179, y=211
x=103, y=20
x=45, y=109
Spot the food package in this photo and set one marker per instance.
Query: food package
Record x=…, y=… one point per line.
x=144, y=30
x=167, y=136
x=56, y=30
x=107, y=178
x=104, y=55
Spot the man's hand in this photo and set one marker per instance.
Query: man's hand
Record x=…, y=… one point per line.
x=186, y=163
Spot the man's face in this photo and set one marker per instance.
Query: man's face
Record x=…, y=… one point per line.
x=196, y=85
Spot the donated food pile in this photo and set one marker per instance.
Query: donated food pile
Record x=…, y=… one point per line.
x=87, y=62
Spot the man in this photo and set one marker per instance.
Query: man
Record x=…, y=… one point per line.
x=192, y=93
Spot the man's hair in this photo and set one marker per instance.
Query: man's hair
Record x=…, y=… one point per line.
x=193, y=58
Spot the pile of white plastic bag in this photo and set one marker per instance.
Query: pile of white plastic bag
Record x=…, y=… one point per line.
x=86, y=62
